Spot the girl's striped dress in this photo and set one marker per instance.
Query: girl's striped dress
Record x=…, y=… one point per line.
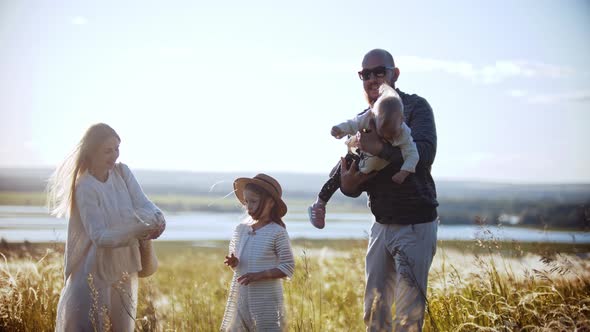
x=259, y=305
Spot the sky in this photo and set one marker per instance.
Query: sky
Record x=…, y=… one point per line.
x=255, y=86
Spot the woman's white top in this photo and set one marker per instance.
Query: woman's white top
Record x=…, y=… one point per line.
x=102, y=243
x=103, y=229
x=262, y=301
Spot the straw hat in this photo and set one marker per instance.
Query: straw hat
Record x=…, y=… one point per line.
x=266, y=182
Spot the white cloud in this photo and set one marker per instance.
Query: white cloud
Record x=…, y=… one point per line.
x=580, y=96
x=574, y=96
x=314, y=66
x=517, y=93
x=487, y=74
x=79, y=20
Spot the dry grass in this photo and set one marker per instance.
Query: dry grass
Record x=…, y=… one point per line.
x=473, y=287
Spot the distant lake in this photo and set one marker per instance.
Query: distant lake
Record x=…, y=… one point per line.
x=20, y=223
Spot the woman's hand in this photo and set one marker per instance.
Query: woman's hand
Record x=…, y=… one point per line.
x=143, y=232
x=161, y=225
x=156, y=232
x=250, y=277
x=231, y=261
x=151, y=232
x=160, y=218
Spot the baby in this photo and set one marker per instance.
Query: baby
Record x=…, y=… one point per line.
x=388, y=114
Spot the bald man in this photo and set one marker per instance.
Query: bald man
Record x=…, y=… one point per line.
x=402, y=243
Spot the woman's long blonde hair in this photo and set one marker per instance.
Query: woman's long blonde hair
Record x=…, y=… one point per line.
x=61, y=186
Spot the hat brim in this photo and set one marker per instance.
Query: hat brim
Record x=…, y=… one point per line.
x=240, y=185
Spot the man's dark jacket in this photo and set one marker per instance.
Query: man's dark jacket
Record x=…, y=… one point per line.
x=413, y=201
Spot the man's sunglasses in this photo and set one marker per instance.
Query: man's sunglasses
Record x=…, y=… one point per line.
x=378, y=72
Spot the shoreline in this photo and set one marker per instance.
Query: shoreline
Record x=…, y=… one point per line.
x=511, y=248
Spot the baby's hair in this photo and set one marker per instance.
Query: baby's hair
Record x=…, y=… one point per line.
x=264, y=196
x=388, y=104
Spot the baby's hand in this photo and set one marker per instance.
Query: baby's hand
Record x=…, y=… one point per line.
x=337, y=132
x=231, y=261
x=400, y=176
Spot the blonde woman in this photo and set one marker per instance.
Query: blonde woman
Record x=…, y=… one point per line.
x=104, y=203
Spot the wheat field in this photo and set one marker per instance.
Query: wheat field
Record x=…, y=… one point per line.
x=473, y=286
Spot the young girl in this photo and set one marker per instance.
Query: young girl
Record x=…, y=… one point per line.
x=260, y=255
x=102, y=255
x=388, y=114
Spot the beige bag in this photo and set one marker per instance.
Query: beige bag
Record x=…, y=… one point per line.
x=149, y=261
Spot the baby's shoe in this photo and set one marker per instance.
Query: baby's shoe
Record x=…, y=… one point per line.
x=317, y=214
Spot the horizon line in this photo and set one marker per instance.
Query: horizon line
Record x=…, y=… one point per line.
x=312, y=173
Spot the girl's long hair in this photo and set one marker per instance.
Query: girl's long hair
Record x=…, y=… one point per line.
x=264, y=197
x=61, y=186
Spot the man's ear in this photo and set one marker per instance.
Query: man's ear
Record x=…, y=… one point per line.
x=395, y=74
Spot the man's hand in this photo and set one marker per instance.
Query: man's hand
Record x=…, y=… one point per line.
x=337, y=132
x=368, y=139
x=231, y=260
x=351, y=178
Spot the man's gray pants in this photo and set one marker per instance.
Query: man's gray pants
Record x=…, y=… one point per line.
x=396, y=270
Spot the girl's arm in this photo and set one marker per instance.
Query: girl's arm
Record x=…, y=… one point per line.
x=234, y=240
x=231, y=259
x=286, y=265
x=262, y=275
x=285, y=254
x=93, y=220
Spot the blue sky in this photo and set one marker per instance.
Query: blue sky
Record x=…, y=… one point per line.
x=256, y=86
